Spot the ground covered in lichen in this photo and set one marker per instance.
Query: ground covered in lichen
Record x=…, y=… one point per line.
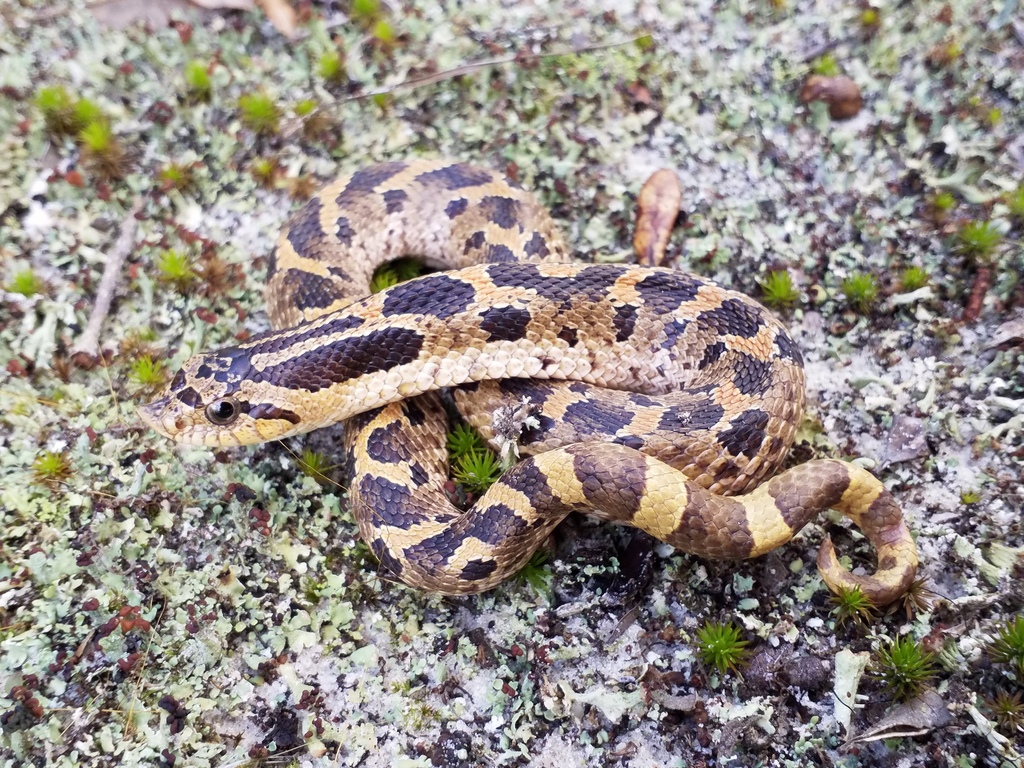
x=214, y=608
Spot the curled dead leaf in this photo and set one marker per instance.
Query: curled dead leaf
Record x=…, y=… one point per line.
x=1009, y=334
x=840, y=93
x=915, y=718
x=234, y=5
x=279, y=12
x=906, y=441
x=119, y=14
x=281, y=15
x=639, y=93
x=657, y=208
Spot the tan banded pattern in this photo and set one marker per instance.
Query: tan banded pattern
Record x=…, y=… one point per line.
x=664, y=400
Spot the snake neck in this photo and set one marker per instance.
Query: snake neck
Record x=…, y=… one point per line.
x=625, y=328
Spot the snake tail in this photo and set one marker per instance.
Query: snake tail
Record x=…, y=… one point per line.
x=420, y=537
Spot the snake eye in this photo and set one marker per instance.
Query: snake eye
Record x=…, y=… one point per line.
x=222, y=412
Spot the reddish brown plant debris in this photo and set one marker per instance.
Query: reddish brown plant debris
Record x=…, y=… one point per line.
x=982, y=281
x=840, y=93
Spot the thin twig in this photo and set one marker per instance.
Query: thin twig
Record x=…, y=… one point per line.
x=138, y=678
x=476, y=66
x=87, y=350
x=819, y=50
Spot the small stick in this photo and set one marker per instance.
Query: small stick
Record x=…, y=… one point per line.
x=467, y=69
x=86, y=350
x=474, y=66
x=819, y=50
x=982, y=281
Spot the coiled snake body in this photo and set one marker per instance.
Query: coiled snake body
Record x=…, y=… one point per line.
x=661, y=399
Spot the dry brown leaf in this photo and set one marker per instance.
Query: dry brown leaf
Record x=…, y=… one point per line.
x=657, y=208
x=906, y=441
x=1009, y=334
x=281, y=15
x=840, y=93
x=118, y=14
x=233, y=5
x=915, y=718
x=639, y=93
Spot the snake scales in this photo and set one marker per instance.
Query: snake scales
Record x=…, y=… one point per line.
x=663, y=400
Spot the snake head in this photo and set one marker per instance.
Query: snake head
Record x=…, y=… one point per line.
x=217, y=400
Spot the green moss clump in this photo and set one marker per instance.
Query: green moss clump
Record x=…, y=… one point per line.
x=315, y=464
x=51, y=467
x=383, y=33
x=722, y=647
x=88, y=112
x=97, y=137
x=860, y=290
x=943, y=202
x=102, y=151
x=870, y=19
x=476, y=471
x=537, y=575
x=1008, y=711
x=463, y=440
x=913, y=278
x=259, y=113
x=645, y=43
x=25, y=282
x=1008, y=645
x=198, y=84
x=778, y=291
x=58, y=110
x=331, y=67
x=63, y=114
x=826, y=65
x=1015, y=204
x=365, y=11
x=305, y=107
x=394, y=272
x=474, y=465
x=148, y=373
x=904, y=668
x=177, y=176
x=944, y=54
x=978, y=239
x=852, y=604
x=967, y=498
x=176, y=268
x=264, y=170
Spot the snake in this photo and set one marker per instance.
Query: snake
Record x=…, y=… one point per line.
x=641, y=395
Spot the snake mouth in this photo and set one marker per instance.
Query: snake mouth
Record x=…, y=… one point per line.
x=157, y=416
